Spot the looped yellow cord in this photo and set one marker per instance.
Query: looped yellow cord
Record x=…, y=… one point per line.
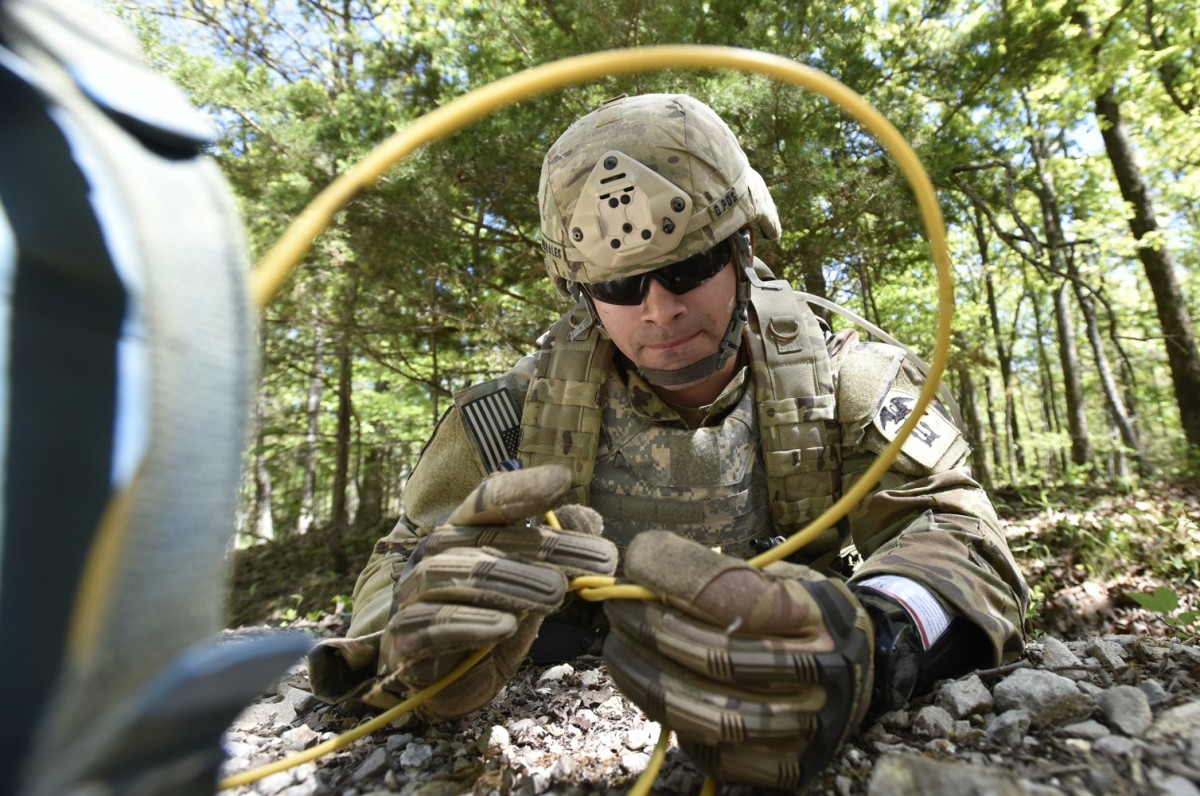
x=644, y=782
x=350, y=736
x=274, y=268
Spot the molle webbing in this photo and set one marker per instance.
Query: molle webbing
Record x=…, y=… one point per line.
x=797, y=410
x=793, y=390
x=560, y=423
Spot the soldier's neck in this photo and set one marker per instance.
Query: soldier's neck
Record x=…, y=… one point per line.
x=701, y=393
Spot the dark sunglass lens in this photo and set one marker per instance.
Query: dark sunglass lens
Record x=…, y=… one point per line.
x=627, y=291
x=681, y=277
x=689, y=274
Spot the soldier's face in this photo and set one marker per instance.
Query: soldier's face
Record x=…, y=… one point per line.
x=669, y=332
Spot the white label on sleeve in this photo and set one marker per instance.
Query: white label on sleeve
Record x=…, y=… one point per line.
x=927, y=613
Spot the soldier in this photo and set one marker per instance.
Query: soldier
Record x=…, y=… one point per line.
x=699, y=409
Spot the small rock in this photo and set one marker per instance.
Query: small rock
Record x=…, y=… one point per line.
x=638, y=739
x=556, y=673
x=298, y=698
x=1155, y=692
x=1090, y=729
x=563, y=768
x=1050, y=698
x=635, y=762
x=941, y=747
x=1127, y=709
x=1185, y=651
x=375, y=763
x=1172, y=784
x=966, y=697
x=1192, y=757
x=1009, y=728
x=589, y=678
x=267, y=714
x=300, y=737
x=416, y=755
x=613, y=708
x=1057, y=655
x=933, y=722
x=913, y=775
x=1182, y=721
x=277, y=782
x=494, y=741
x=1115, y=745
x=1109, y=653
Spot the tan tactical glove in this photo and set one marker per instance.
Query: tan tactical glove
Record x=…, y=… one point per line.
x=761, y=674
x=487, y=577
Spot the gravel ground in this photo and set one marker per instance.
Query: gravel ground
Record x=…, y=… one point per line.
x=1107, y=714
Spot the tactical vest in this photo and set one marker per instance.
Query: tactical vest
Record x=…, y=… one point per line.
x=793, y=401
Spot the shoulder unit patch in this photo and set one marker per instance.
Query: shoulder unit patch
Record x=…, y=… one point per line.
x=931, y=438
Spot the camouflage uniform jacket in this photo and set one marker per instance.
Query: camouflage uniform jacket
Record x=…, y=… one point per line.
x=926, y=520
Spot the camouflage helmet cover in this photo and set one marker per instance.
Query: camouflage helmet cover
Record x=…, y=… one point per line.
x=645, y=181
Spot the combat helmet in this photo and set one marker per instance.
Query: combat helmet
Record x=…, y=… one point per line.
x=643, y=182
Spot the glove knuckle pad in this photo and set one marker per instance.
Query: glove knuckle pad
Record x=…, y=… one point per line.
x=770, y=708
x=479, y=577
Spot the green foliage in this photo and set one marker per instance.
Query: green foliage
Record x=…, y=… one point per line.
x=1165, y=602
x=1123, y=540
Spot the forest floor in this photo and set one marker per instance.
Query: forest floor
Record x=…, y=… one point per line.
x=1106, y=699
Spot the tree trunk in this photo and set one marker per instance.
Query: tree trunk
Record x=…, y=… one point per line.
x=1077, y=425
x=993, y=427
x=1112, y=394
x=1056, y=244
x=1173, y=315
x=973, y=417
x=1055, y=460
x=264, y=523
x=370, y=491
x=1016, y=457
x=341, y=472
x=312, y=411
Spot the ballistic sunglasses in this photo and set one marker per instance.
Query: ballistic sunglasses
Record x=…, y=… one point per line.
x=679, y=278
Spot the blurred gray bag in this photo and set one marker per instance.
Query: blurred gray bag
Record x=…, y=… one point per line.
x=126, y=341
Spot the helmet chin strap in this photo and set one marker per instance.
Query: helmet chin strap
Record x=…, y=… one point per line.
x=732, y=341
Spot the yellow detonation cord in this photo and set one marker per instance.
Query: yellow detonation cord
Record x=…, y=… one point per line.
x=278, y=263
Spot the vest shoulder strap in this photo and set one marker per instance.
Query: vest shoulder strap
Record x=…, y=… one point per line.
x=560, y=422
x=797, y=409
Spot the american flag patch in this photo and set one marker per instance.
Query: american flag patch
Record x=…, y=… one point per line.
x=493, y=422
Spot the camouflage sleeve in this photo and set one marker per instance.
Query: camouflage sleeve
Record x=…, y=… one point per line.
x=446, y=472
x=926, y=519
x=448, y=469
